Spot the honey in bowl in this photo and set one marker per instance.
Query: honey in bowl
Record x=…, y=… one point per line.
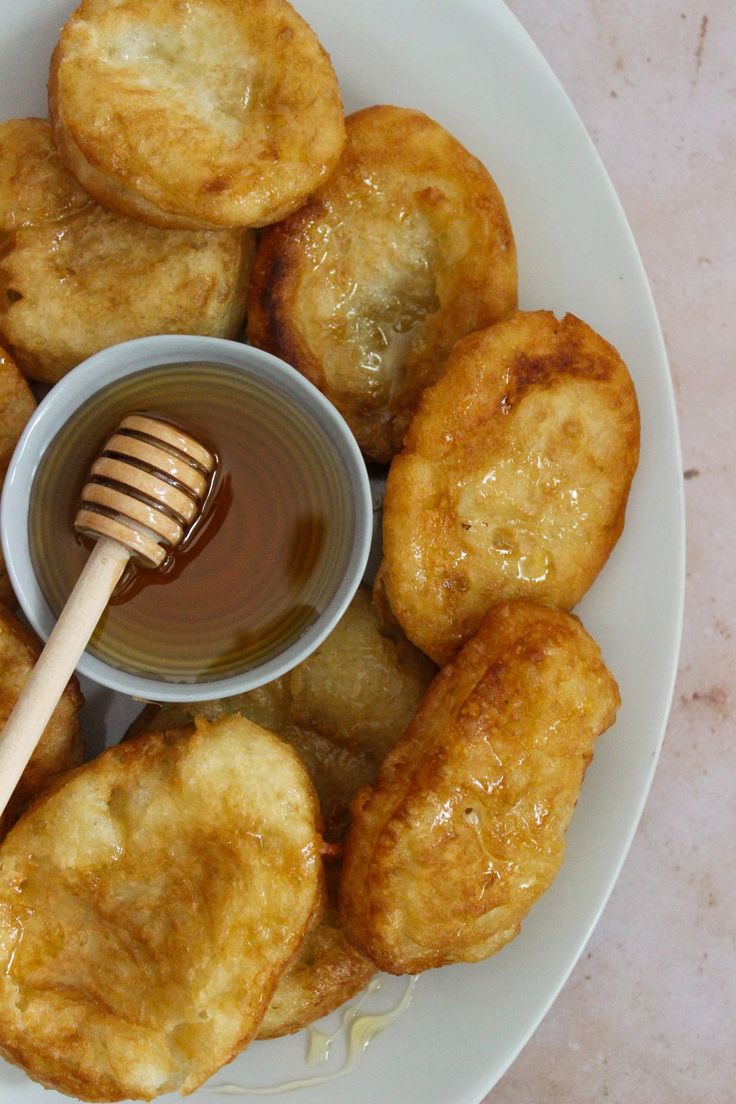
x=261, y=564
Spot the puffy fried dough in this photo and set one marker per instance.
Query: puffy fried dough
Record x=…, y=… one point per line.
x=340, y=710
x=148, y=904
x=75, y=278
x=406, y=248
x=514, y=479
x=219, y=113
x=16, y=406
x=327, y=970
x=466, y=825
x=60, y=747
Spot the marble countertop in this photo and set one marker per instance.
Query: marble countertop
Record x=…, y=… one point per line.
x=649, y=1012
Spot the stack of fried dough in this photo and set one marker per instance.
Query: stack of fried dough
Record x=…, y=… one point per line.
x=233, y=870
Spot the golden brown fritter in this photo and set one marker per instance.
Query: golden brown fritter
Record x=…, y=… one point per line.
x=365, y=290
x=16, y=406
x=60, y=747
x=466, y=826
x=326, y=971
x=514, y=479
x=148, y=904
x=219, y=113
x=75, y=278
x=340, y=710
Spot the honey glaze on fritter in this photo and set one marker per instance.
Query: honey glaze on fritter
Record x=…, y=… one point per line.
x=371, y=320
x=256, y=570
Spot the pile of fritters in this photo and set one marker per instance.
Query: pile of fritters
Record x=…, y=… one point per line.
x=341, y=710
x=236, y=869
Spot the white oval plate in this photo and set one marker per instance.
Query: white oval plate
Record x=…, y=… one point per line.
x=472, y=67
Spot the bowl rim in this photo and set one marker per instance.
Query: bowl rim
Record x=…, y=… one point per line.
x=128, y=358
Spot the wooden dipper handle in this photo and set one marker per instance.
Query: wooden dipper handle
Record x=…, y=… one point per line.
x=144, y=493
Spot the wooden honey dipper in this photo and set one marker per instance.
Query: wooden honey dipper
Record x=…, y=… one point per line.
x=145, y=492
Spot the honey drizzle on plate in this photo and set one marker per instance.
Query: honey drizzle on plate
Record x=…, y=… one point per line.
x=360, y=1030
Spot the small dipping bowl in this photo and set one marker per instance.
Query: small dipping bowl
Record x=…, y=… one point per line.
x=291, y=447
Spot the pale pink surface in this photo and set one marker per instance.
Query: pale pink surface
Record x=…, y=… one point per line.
x=649, y=1013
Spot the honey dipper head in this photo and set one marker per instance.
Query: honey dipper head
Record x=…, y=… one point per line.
x=146, y=489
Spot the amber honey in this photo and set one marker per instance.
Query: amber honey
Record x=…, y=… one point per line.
x=259, y=567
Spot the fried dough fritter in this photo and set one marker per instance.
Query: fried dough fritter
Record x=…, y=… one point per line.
x=514, y=479
x=466, y=825
x=212, y=114
x=327, y=970
x=75, y=278
x=60, y=747
x=148, y=904
x=340, y=710
x=365, y=290
x=16, y=406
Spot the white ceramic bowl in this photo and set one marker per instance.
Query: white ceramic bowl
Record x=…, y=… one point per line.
x=131, y=357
